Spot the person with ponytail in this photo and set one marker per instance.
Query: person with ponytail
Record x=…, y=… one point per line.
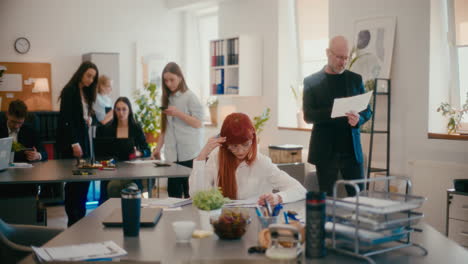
x=181, y=126
x=231, y=161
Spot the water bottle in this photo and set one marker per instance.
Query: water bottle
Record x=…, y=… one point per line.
x=131, y=209
x=315, y=225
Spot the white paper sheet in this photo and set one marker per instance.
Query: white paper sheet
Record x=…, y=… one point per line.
x=11, y=83
x=355, y=103
x=107, y=249
x=140, y=161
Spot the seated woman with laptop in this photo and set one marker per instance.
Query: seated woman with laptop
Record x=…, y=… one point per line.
x=231, y=161
x=124, y=129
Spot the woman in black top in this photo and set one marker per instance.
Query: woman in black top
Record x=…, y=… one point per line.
x=73, y=141
x=124, y=125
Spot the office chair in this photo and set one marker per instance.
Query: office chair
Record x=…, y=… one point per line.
x=16, y=240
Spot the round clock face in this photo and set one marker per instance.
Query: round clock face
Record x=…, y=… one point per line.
x=22, y=45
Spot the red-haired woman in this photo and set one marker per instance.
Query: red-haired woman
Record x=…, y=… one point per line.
x=231, y=161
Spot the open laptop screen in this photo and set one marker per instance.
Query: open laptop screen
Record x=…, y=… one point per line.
x=5, y=150
x=117, y=148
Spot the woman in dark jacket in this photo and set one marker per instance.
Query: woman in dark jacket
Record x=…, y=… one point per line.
x=124, y=125
x=73, y=140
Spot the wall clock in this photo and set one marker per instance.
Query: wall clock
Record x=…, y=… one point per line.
x=22, y=45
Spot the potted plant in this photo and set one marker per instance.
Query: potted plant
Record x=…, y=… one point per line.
x=15, y=147
x=209, y=204
x=298, y=94
x=148, y=113
x=212, y=104
x=455, y=115
x=260, y=121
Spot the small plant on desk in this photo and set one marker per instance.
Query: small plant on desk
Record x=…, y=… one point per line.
x=209, y=200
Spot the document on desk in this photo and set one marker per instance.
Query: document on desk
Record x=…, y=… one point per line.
x=91, y=251
x=247, y=203
x=355, y=103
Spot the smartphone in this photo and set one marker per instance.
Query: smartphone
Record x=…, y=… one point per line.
x=28, y=149
x=163, y=108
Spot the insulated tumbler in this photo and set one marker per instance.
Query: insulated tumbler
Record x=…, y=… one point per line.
x=131, y=204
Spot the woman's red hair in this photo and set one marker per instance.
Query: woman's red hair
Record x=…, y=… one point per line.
x=238, y=129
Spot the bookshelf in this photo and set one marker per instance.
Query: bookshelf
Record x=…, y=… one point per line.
x=236, y=66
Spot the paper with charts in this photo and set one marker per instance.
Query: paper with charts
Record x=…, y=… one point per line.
x=356, y=103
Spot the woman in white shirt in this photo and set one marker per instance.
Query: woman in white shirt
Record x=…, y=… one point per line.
x=231, y=161
x=103, y=103
x=181, y=126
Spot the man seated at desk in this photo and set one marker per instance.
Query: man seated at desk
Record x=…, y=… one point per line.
x=14, y=126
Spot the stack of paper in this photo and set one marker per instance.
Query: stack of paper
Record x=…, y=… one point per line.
x=17, y=165
x=91, y=251
x=169, y=202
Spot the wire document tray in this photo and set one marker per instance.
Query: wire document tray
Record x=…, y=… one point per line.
x=363, y=226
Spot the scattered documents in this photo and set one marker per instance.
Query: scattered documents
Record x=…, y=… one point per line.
x=169, y=202
x=140, y=161
x=357, y=103
x=19, y=165
x=248, y=203
x=91, y=251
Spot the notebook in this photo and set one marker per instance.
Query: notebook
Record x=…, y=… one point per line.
x=149, y=217
x=169, y=202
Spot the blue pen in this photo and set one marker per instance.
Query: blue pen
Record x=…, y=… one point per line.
x=292, y=216
x=277, y=209
x=286, y=221
x=257, y=210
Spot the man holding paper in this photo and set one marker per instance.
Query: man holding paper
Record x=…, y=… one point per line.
x=335, y=144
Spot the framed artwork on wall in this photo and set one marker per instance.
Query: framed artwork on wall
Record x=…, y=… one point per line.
x=373, y=44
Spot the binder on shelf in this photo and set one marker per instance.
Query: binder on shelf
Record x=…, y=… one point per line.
x=220, y=81
x=213, y=53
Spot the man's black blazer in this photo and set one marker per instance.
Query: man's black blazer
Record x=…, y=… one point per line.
x=317, y=108
x=28, y=137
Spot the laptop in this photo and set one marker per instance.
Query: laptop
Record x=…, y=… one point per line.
x=149, y=217
x=108, y=147
x=5, y=151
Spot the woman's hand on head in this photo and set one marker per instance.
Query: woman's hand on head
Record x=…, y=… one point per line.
x=172, y=111
x=272, y=198
x=212, y=143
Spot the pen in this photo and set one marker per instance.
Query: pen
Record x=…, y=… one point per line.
x=257, y=210
x=277, y=209
x=268, y=207
x=286, y=221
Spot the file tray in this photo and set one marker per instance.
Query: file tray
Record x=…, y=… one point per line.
x=366, y=238
x=379, y=202
x=376, y=222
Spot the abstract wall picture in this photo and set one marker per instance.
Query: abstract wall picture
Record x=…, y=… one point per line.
x=373, y=44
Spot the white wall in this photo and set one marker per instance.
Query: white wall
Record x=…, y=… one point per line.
x=61, y=31
x=410, y=78
x=259, y=18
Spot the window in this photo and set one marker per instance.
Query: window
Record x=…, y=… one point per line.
x=309, y=23
x=458, y=30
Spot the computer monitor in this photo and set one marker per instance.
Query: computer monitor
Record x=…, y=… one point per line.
x=117, y=148
x=5, y=151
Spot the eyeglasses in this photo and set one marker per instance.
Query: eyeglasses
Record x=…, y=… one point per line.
x=237, y=147
x=16, y=122
x=343, y=58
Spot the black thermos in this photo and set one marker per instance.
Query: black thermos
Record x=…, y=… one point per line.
x=131, y=204
x=315, y=225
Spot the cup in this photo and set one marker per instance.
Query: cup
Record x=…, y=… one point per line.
x=131, y=210
x=183, y=230
x=265, y=221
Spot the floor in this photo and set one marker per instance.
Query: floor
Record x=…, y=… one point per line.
x=56, y=216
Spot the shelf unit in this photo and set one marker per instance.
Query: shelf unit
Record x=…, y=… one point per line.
x=378, y=84
x=236, y=66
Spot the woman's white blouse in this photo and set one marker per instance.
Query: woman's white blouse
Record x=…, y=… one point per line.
x=252, y=181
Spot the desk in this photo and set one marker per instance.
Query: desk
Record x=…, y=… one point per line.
x=158, y=243
x=61, y=171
